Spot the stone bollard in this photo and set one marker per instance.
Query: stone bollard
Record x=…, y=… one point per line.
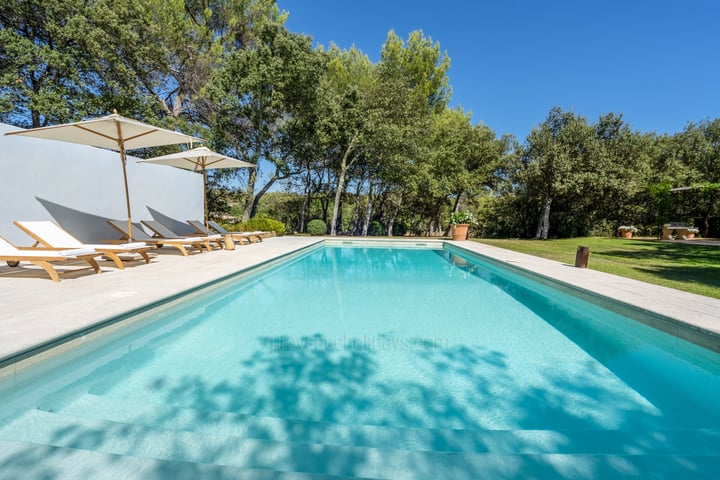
x=581, y=257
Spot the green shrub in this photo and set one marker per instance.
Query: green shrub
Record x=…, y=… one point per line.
x=265, y=224
x=602, y=228
x=462, y=216
x=316, y=227
x=376, y=229
x=399, y=229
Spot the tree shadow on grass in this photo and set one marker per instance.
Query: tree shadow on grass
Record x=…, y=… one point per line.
x=676, y=262
x=708, y=276
x=666, y=251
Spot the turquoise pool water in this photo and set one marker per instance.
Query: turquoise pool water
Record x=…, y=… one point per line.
x=375, y=363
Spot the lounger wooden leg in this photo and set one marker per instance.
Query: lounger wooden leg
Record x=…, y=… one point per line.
x=182, y=249
x=207, y=246
x=48, y=268
x=113, y=256
x=93, y=263
x=145, y=256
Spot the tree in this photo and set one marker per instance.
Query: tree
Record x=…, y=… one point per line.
x=343, y=112
x=411, y=87
x=593, y=176
x=618, y=179
x=444, y=170
x=699, y=150
x=263, y=100
x=552, y=153
x=48, y=61
x=66, y=59
x=420, y=64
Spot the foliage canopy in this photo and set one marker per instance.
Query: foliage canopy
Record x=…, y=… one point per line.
x=367, y=147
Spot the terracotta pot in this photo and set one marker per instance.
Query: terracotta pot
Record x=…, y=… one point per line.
x=626, y=234
x=460, y=231
x=689, y=236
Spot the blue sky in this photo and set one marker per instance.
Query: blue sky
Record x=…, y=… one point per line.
x=654, y=61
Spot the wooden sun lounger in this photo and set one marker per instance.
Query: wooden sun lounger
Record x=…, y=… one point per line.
x=239, y=237
x=42, y=257
x=51, y=235
x=139, y=234
x=257, y=235
x=161, y=230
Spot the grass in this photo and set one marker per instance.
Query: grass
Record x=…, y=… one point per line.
x=692, y=268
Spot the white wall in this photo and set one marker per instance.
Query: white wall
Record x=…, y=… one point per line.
x=80, y=187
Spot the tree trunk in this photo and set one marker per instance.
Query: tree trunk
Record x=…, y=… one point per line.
x=393, y=216
x=263, y=191
x=356, y=213
x=456, y=207
x=306, y=200
x=250, y=201
x=544, y=223
x=338, y=193
x=368, y=211
x=344, y=165
x=707, y=213
x=706, y=226
x=324, y=204
x=339, y=220
x=35, y=114
x=303, y=208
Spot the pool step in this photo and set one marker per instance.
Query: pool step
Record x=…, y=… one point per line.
x=706, y=442
x=22, y=460
x=117, y=438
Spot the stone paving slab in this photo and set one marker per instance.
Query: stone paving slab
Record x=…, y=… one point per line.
x=35, y=310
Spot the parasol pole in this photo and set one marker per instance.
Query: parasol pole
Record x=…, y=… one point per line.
x=123, y=159
x=205, y=207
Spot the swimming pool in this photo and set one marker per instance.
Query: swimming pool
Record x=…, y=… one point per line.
x=375, y=363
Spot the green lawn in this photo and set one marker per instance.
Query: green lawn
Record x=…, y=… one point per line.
x=693, y=268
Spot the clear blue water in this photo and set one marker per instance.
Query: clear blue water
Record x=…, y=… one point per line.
x=347, y=353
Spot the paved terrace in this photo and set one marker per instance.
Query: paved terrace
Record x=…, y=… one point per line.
x=35, y=310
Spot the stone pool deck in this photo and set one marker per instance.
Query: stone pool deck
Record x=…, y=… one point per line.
x=35, y=310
